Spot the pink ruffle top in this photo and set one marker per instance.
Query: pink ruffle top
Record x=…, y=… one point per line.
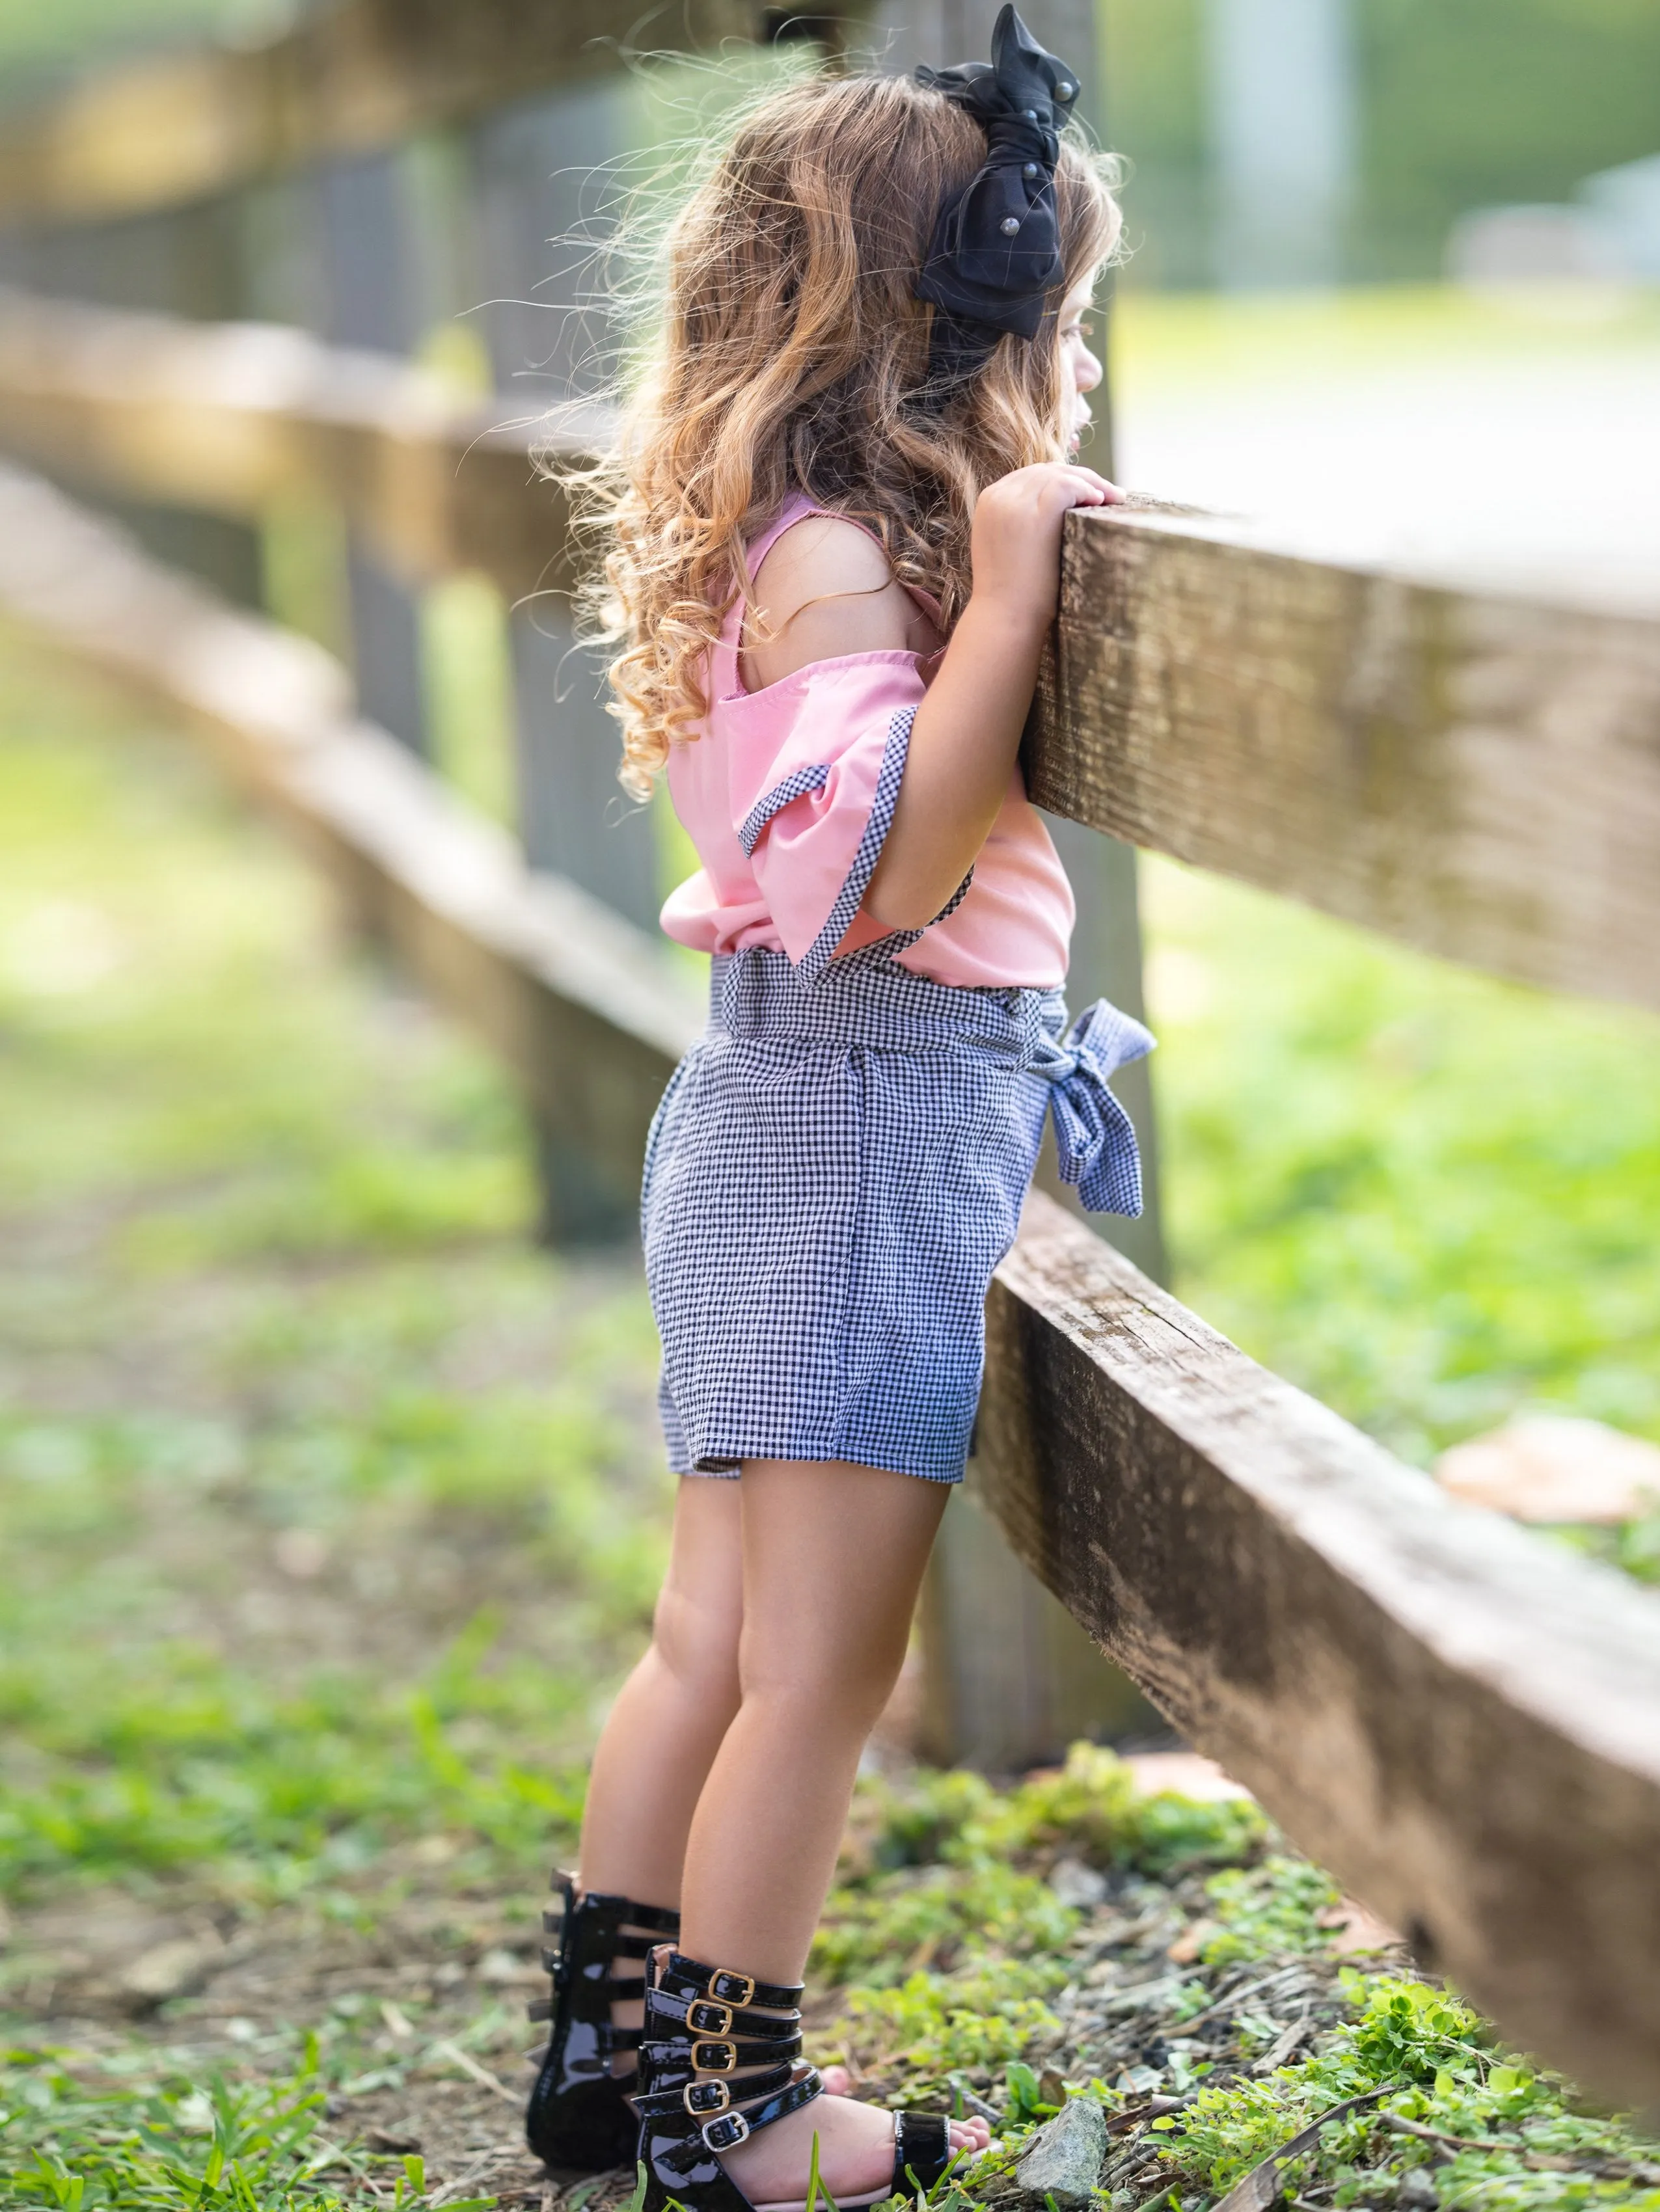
x=787, y=793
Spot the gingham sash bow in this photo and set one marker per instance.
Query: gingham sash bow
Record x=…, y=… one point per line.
x=1093, y=1134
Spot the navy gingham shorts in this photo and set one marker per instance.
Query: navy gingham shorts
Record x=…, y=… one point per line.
x=835, y=1170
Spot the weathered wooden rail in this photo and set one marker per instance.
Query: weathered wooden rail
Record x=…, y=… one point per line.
x=1463, y=1725
x=1475, y=774
x=343, y=79
x=234, y=418
x=573, y=999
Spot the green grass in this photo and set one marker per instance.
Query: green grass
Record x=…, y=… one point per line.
x=1305, y=340
x=298, y=1307
x=161, y=2140
x=1431, y=1199
x=999, y=1991
x=1437, y=2060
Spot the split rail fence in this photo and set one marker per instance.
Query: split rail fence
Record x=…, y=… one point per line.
x=1462, y=1724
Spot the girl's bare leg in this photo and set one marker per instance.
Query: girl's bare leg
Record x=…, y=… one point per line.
x=833, y=1557
x=664, y=1730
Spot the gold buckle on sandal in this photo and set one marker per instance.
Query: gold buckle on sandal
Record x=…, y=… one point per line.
x=705, y=2097
x=723, y=2063
x=735, y=1989
x=704, y=2017
x=725, y=2133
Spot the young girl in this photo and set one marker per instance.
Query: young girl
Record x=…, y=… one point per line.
x=835, y=556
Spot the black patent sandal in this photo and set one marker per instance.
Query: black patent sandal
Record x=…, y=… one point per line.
x=579, y=2119
x=721, y=2059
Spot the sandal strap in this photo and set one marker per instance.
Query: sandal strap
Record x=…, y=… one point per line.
x=606, y=1988
x=605, y=2038
x=700, y=2099
x=622, y=1946
x=700, y=2015
x=689, y=1978
x=708, y=2054
x=589, y=1934
x=921, y=2151
x=737, y=2121
x=655, y=1921
x=614, y=1987
x=728, y=2130
x=659, y=1920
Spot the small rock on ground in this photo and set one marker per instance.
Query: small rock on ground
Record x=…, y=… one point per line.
x=1064, y=2156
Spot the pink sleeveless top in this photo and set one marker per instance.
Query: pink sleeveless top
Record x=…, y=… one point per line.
x=787, y=793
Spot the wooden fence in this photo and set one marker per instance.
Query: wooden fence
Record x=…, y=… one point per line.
x=1462, y=1724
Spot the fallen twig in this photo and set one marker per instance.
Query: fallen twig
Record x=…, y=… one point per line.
x=1155, y=2108
x=464, y=2181
x=1540, y=2161
x=469, y=2064
x=1436, y=2136
x=979, y=2104
x=1299, y=2031
x=1235, y=1998
x=1264, y=2182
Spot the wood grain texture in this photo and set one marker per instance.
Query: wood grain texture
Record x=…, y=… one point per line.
x=576, y=1002
x=234, y=418
x=345, y=79
x=1458, y=1720
x=1479, y=776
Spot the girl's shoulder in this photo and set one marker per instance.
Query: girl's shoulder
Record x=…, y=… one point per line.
x=823, y=590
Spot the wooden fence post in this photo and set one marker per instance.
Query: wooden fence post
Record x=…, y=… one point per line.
x=179, y=261
x=371, y=299
x=1008, y=1677
x=540, y=201
x=539, y=190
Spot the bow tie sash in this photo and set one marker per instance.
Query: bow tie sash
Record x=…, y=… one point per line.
x=1093, y=1134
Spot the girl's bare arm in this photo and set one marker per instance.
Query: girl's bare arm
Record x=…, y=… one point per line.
x=967, y=732
x=825, y=589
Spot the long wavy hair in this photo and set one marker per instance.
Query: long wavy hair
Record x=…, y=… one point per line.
x=791, y=355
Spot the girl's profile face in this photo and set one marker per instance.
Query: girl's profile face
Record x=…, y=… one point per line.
x=1081, y=370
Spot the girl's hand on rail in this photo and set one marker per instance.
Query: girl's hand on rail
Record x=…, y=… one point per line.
x=967, y=730
x=1016, y=543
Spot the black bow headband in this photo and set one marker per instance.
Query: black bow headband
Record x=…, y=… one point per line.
x=995, y=253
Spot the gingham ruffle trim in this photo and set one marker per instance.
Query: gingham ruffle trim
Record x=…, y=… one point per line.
x=851, y=896
x=775, y=800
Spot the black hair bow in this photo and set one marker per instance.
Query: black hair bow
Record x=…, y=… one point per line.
x=995, y=253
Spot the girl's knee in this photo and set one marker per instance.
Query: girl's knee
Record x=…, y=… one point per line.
x=821, y=1684
x=695, y=1640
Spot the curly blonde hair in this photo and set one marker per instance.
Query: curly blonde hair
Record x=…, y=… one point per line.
x=791, y=355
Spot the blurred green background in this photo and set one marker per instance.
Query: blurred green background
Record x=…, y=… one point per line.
x=1459, y=104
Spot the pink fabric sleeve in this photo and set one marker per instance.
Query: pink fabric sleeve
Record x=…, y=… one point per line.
x=814, y=768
